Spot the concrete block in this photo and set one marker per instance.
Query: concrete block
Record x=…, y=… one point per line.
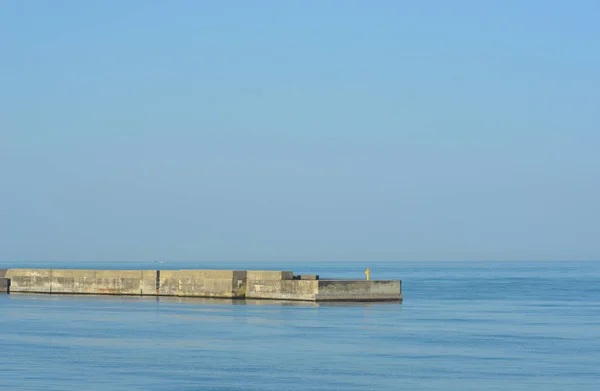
x=282, y=289
x=211, y=283
x=358, y=290
x=213, y=274
x=3, y=273
x=308, y=277
x=210, y=287
x=119, y=282
x=169, y=282
x=73, y=281
x=118, y=273
x=30, y=280
x=269, y=275
x=148, y=282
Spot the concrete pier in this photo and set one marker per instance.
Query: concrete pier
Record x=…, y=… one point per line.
x=230, y=284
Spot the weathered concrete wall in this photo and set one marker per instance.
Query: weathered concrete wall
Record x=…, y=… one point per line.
x=269, y=275
x=148, y=282
x=30, y=280
x=194, y=283
x=169, y=282
x=307, y=277
x=212, y=283
x=324, y=290
x=73, y=281
x=282, y=289
x=119, y=282
x=331, y=290
x=280, y=285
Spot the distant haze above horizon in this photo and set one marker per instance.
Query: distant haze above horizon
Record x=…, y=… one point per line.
x=314, y=130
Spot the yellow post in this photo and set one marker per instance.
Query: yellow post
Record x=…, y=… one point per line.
x=368, y=273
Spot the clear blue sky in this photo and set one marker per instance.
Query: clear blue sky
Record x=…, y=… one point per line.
x=317, y=130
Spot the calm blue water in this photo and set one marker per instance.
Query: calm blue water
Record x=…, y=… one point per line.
x=462, y=326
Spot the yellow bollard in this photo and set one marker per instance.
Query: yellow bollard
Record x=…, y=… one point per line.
x=368, y=273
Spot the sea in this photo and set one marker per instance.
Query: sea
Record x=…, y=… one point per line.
x=461, y=326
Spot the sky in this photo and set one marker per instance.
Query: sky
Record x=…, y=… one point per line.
x=299, y=130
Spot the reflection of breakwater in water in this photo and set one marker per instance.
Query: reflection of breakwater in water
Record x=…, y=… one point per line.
x=223, y=284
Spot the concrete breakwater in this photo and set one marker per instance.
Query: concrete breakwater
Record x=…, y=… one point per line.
x=251, y=284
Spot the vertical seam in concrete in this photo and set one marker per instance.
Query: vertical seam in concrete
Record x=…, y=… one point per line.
x=157, y=282
x=51, y=270
x=178, y=282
